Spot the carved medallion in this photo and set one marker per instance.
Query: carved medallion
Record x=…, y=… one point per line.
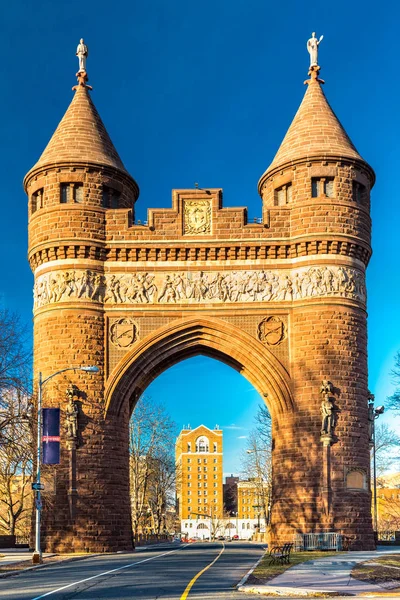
x=123, y=332
x=197, y=217
x=271, y=331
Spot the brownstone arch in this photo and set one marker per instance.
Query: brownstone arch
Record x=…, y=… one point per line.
x=185, y=338
x=282, y=300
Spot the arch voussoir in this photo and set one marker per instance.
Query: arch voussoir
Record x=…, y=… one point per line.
x=186, y=338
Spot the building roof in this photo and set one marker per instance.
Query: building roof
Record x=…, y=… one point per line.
x=81, y=137
x=315, y=131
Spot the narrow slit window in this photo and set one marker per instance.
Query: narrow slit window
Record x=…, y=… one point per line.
x=37, y=200
x=283, y=195
x=78, y=189
x=65, y=193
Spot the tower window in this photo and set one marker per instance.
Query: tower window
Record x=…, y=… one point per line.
x=322, y=186
x=283, y=195
x=37, y=200
x=78, y=189
x=71, y=192
x=65, y=193
x=359, y=193
x=110, y=197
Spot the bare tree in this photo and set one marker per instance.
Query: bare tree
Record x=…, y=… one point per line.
x=15, y=366
x=394, y=399
x=15, y=467
x=160, y=489
x=387, y=448
x=257, y=460
x=152, y=435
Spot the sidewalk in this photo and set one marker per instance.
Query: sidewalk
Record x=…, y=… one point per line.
x=10, y=556
x=326, y=575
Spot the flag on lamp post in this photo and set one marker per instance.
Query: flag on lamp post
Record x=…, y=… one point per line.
x=51, y=436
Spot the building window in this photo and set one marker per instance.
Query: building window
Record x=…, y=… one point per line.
x=205, y=492
x=189, y=492
x=322, y=186
x=78, y=189
x=199, y=468
x=215, y=484
x=215, y=468
x=199, y=460
x=205, y=461
x=359, y=193
x=37, y=200
x=204, y=476
x=189, y=468
x=215, y=460
x=110, y=197
x=205, y=485
x=202, y=444
x=215, y=447
x=198, y=476
x=199, y=493
x=65, y=193
x=215, y=477
x=71, y=192
x=205, y=468
x=188, y=447
x=215, y=492
x=189, y=460
x=200, y=484
x=283, y=195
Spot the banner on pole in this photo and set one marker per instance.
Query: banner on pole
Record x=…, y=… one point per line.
x=51, y=436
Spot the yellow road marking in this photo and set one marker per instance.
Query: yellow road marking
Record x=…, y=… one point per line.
x=195, y=578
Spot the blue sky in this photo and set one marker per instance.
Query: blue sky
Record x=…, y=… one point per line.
x=204, y=92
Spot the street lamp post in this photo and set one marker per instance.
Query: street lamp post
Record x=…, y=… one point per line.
x=37, y=555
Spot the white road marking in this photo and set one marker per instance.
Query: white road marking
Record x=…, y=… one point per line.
x=64, y=587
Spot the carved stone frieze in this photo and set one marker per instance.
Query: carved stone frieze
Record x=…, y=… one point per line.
x=199, y=287
x=123, y=332
x=271, y=331
x=197, y=217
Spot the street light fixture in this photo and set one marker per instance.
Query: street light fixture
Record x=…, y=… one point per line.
x=37, y=555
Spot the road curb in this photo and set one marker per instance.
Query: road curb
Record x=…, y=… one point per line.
x=245, y=578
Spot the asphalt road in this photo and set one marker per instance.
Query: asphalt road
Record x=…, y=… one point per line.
x=201, y=570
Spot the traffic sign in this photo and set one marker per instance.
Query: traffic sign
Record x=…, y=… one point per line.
x=37, y=486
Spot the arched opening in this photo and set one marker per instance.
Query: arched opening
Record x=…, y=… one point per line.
x=215, y=339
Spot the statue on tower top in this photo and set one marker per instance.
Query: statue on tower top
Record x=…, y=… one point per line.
x=82, y=54
x=312, y=47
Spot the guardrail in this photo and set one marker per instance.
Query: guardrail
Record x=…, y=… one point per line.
x=318, y=541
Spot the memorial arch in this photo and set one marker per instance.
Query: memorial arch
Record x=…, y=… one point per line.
x=282, y=300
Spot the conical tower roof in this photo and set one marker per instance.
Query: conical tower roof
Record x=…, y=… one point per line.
x=80, y=137
x=315, y=132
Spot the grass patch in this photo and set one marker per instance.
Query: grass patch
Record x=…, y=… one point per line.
x=382, y=570
x=264, y=572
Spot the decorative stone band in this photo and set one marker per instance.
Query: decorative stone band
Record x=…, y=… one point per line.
x=142, y=287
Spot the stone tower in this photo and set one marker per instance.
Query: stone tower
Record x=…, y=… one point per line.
x=282, y=301
x=320, y=186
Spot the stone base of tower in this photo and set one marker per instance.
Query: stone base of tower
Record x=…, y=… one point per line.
x=75, y=541
x=353, y=538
